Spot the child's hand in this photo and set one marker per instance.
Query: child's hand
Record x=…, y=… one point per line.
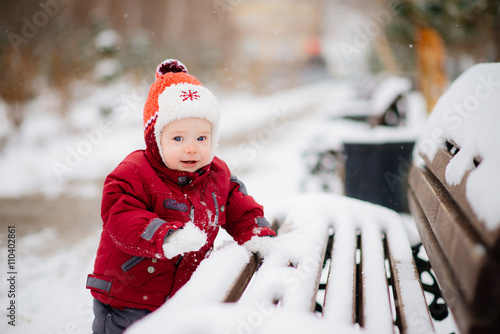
x=261, y=246
x=187, y=239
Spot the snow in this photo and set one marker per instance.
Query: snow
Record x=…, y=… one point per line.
x=106, y=69
x=227, y=263
x=263, y=139
x=386, y=92
x=188, y=239
x=467, y=113
x=107, y=40
x=50, y=152
x=50, y=285
x=290, y=272
x=346, y=216
x=258, y=245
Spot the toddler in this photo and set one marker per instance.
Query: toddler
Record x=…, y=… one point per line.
x=162, y=206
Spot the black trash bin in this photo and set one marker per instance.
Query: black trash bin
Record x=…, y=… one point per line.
x=377, y=172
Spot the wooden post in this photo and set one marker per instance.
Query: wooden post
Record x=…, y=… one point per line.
x=431, y=57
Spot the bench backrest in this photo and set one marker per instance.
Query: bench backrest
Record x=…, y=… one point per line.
x=460, y=235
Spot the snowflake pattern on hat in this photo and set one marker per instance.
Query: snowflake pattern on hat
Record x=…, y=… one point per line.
x=189, y=95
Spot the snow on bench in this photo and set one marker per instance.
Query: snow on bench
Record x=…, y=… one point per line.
x=455, y=190
x=372, y=284
x=381, y=101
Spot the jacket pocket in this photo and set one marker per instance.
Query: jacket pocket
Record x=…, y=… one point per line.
x=132, y=263
x=140, y=270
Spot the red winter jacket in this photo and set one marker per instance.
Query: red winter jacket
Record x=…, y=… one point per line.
x=143, y=201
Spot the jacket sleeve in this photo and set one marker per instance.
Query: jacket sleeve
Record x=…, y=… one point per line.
x=132, y=227
x=244, y=216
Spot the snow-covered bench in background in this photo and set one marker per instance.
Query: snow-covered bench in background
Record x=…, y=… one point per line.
x=371, y=280
x=455, y=196
x=382, y=100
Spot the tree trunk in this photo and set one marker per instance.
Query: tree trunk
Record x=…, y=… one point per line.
x=431, y=57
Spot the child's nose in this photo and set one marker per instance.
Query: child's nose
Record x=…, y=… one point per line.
x=191, y=147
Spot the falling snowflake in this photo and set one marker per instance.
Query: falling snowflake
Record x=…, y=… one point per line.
x=189, y=95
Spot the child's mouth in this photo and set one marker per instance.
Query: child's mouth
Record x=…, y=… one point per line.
x=189, y=162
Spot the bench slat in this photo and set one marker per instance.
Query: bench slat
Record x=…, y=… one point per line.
x=376, y=306
x=438, y=168
x=464, y=315
x=240, y=283
x=305, y=296
x=298, y=279
x=412, y=312
x=339, y=305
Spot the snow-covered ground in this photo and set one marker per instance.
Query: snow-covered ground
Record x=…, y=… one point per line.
x=263, y=139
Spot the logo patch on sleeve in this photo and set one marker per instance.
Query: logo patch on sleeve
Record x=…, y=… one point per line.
x=174, y=205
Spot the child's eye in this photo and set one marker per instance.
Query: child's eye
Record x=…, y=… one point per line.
x=202, y=138
x=178, y=138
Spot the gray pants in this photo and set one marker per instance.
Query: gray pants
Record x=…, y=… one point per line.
x=109, y=320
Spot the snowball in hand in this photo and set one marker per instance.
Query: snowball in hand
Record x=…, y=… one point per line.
x=188, y=239
x=260, y=245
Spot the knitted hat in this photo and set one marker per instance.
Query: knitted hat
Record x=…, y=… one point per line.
x=176, y=95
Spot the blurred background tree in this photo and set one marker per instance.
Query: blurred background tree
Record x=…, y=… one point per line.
x=448, y=36
x=52, y=43
x=251, y=46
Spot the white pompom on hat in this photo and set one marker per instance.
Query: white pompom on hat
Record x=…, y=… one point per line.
x=176, y=95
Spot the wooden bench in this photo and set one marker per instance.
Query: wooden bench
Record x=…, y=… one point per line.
x=357, y=251
x=464, y=254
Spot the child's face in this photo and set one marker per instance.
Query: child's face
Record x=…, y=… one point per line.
x=187, y=144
